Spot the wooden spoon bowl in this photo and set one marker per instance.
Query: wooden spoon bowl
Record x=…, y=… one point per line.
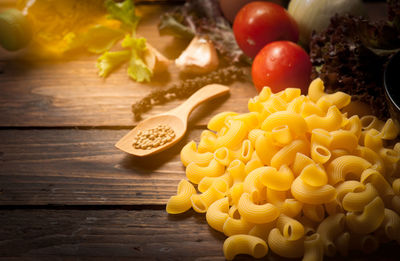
x=176, y=119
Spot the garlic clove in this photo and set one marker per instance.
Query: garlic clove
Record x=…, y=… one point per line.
x=199, y=57
x=155, y=60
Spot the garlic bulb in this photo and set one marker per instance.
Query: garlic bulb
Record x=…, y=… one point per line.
x=199, y=57
x=155, y=60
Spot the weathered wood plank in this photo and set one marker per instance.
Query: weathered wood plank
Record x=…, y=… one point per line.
x=123, y=234
x=69, y=92
x=141, y=235
x=82, y=167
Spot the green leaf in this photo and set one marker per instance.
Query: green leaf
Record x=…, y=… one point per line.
x=138, y=70
x=124, y=12
x=109, y=61
x=100, y=38
x=171, y=25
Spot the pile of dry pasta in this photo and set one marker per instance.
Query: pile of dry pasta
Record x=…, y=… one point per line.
x=295, y=175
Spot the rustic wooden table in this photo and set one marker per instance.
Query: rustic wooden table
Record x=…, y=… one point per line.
x=66, y=192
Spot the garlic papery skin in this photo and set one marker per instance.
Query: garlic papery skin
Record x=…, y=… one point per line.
x=199, y=57
x=155, y=60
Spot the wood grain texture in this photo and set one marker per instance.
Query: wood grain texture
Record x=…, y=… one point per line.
x=82, y=167
x=105, y=234
x=69, y=93
x=123, y=235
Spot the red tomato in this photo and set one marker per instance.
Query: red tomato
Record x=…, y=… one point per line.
x=259, y=23
x=280, y=65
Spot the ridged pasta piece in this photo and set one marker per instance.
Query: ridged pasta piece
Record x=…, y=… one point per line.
x=295, y=105
x=181, y=201
x=364, y=243
x=348, y=186
x=396, y=186
x=253, y=135
x=224, y=156
x=338, y=99
x=373, y=140
x=294, y=121
x=389, y=156
x=262, y=230
x=257, y=214
x=291, y=207
x=190, y=154
x=333, y=207
x=275, y=103
x=372, y=157
x=313, y=248
x=276, y=197
x=255, y=105
x=390, y=130
x=222, y=131
x=253, y=163
x=287, y=154
x=235, y=192
x=391, y=225
x=218, y=121
x=316, y=89
x=310, y=108
x=265, y=148
x=246, y=151
x=330, y=122
x=353, y=125
x=233, y=226
x=207, y=142
x=253, y=185
x=320, y=154
x=321, y=137
x=315, y=213
x=290, y=228
x=314, y=175
x=367, y=221
x=284, y=247
x=312, y=195
x=343, y=140
x=329, y=229
x=342, y=243
x=282, y=135
x=201, y=202
x=207, y=182
x=289, y=94
x=277, y=180
x=217, y=214
x=236, y=170
x=195, y=173
x=324, y=104
x=250, y=119
x=395, y=204
x=357, y=200
x=300, y=161
x=265, y=94
x=316, y=92
x=369, y=122
x=379, y=182
x=244, y=244
x=236, y=133
x=341, y=167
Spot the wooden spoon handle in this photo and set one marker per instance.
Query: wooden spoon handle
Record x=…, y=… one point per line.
x=206, y=93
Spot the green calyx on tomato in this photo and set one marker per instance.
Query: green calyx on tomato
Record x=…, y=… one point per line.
x=280, y=65
x=260, y=23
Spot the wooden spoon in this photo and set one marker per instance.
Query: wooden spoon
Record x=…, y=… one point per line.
x=176, y=119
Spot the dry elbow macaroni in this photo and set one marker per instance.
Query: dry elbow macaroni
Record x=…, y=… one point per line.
x=295, y=176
